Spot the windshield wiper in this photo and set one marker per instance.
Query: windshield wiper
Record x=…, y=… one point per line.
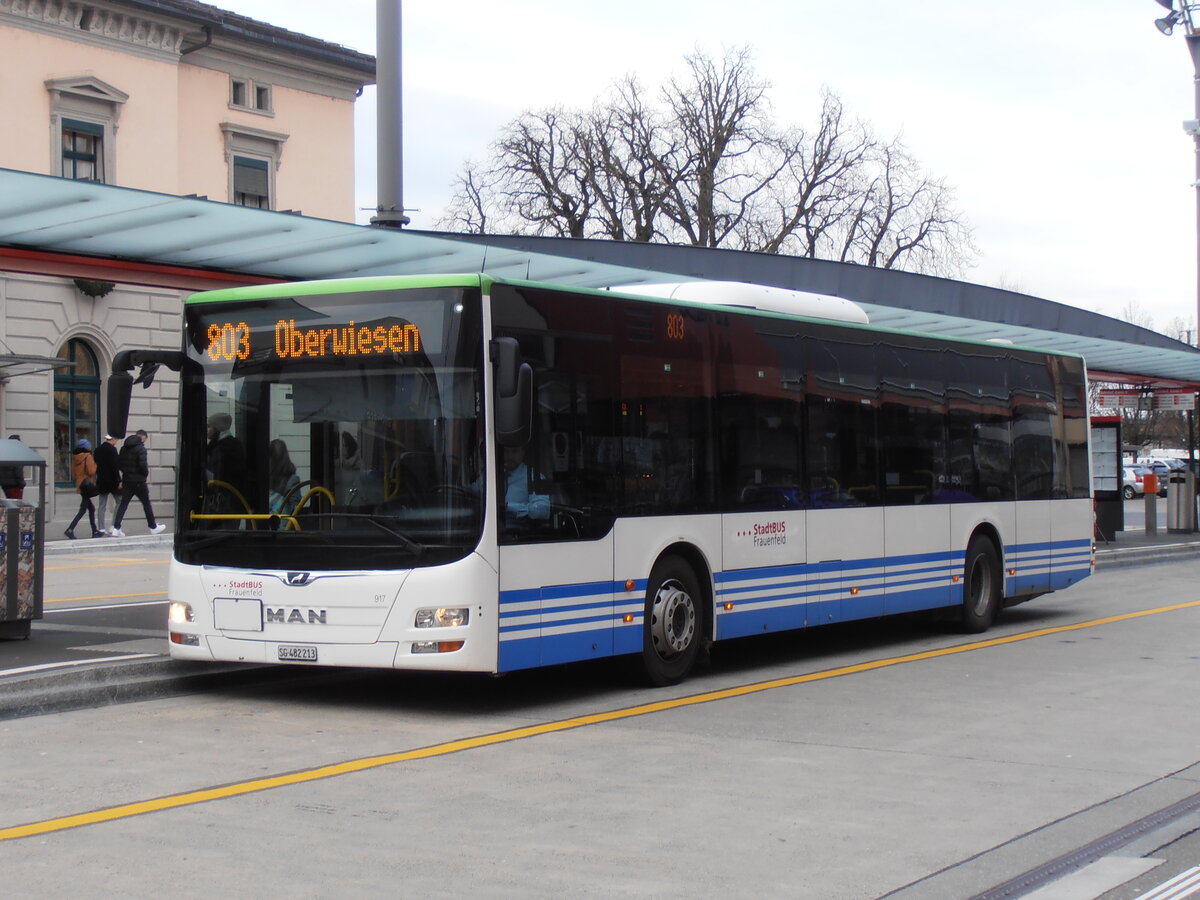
x=380, y=522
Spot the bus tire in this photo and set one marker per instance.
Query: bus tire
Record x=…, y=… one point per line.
x=982, y=586
x=674, y=621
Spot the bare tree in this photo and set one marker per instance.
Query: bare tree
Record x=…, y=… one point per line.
x=720, y=116
x=633, y=158
x=1181, y=329
x=709, y=167
x=550, y=183
x=903, y=218
x=812, y=193
x=472, y=210
x=1135, y=314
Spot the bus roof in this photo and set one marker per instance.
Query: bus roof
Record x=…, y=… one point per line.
x=484, y=282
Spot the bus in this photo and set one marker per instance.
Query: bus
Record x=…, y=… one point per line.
x=480, y=474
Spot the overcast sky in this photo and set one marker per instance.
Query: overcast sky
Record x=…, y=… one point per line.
x=1058, y=125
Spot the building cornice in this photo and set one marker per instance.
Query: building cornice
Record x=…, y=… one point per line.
x=196, y=33
x=98, y=24
x=272, y=66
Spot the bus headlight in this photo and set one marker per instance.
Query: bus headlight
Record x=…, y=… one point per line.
x=442, y=617
x=181, y=612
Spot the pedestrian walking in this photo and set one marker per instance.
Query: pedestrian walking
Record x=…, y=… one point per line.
x=83, y=468
x=135, y=473
x=108, y=479
x=12, y=478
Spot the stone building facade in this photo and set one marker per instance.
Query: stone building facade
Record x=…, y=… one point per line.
x=169, y=96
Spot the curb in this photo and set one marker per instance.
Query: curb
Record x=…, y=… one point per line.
x=108, y=545
x=108, y=683
x=1127, y=557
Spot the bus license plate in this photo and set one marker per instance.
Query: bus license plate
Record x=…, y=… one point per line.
x=297, y=654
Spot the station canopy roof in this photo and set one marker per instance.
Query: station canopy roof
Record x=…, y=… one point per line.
x=60, y=216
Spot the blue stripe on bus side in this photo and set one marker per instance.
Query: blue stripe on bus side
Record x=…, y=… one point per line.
x=563, y=623
x=523, y=654
x=546, y=609
x=567, y=622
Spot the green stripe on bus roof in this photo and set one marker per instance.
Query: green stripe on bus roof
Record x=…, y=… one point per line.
x=338, y=286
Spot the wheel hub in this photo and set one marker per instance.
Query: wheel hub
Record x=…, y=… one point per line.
x=673, y=619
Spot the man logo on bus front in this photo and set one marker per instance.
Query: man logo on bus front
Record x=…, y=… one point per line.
x=298, y=579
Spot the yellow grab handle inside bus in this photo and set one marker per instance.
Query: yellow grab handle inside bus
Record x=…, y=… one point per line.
x=246, y=506
x=305, y=499
x=253, y=517
x=293, y=490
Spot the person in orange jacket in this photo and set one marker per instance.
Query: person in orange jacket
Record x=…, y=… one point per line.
x=83, y=468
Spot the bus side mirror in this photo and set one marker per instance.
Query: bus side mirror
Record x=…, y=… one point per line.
x=514, y=393
x=120, y=387
x=120, y=382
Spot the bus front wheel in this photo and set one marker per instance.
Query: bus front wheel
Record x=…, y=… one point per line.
x=982, y=586
x=673, y=629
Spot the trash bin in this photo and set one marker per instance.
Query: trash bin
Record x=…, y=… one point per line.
x=1150, y=499
x=1181, y=498
x=22, y=547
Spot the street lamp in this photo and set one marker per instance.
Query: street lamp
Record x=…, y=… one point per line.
x=1168, y=22
x=1184, y=13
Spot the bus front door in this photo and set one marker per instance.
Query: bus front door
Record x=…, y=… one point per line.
x=556, y=603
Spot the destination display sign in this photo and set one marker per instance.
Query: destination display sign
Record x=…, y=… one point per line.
x=1168, y=400
x=231, y=341
x=1174, y=400
x=1113, y=399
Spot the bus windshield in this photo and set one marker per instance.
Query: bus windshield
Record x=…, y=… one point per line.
x=332, y=431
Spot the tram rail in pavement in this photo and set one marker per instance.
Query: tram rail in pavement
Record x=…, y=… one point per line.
x=116, y=679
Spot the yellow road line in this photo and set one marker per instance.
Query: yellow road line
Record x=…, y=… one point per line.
x=110, y=565
x=107, y=597
x=190, y=798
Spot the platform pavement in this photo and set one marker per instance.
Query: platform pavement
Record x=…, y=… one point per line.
x=61, y=544
x=1137, y=548
x=103, y=682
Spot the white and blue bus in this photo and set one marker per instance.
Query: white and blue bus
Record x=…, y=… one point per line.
x=477, y=474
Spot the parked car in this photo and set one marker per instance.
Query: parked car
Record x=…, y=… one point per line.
x=1163, y=465
x=1138, y=471
x=1132, y=483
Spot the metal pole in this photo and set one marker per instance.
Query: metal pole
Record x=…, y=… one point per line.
x=1193, y=42
x=389, y=135
x=1191, y=420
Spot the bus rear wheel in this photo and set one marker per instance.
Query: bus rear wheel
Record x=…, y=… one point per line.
x=982, y=586
x=673, y=627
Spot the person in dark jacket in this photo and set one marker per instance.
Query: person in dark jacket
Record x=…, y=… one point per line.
x=135, y=472
x=108, y=478
x=225, y=471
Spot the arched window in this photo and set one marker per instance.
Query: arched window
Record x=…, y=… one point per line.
x=76, y=406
